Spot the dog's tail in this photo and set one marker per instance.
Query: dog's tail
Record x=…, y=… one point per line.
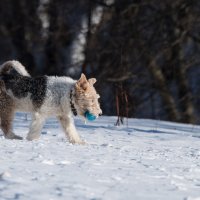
x=13, y=67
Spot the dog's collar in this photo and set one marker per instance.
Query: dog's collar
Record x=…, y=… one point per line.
x=72, y=104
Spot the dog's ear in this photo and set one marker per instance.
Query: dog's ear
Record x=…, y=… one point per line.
x=82, y=83
x=83, y=77
x=92, y=81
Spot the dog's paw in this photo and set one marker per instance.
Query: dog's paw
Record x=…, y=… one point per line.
x=12, y=136
x=31, y=137
x=81, y=142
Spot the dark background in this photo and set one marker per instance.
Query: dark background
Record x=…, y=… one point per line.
x=144, y=54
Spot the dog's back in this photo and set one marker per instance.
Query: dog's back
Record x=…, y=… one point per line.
x=28, y=92
x=47, y=94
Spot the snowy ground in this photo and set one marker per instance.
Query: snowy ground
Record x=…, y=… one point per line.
x=147, y=160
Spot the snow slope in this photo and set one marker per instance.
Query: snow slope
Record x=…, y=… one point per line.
x=149, y=159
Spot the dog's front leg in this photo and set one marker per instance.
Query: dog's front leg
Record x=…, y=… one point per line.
x=70, y=130
x=36, y=126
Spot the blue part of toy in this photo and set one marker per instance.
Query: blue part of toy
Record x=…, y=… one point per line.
x=90, y=116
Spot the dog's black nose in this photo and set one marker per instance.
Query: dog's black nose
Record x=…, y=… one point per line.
x=100, y=114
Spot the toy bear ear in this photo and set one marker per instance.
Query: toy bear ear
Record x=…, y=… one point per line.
x=82, y=83
x=92, y=81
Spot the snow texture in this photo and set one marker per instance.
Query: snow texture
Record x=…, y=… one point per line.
x=147, y=159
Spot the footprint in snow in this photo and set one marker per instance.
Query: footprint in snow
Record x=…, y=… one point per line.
x=5, y=175
x=51, y=162
x=48, y=162
x=106, y=145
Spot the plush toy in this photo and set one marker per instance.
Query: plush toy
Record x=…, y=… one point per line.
x=90, y=116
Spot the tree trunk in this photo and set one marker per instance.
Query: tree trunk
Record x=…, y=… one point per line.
x=161, y=85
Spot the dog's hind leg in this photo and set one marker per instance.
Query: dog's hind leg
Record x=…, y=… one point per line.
x=35, y=127
x=7, y=109
x=70, y=130
x=6, y=125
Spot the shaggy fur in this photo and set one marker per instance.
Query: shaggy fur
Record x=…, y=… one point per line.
x=7, y=104
x=50, y=96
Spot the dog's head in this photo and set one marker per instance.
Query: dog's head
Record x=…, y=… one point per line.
x=86, y=97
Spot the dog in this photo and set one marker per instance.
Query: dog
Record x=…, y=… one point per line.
x=46, y=96
x=7, y=104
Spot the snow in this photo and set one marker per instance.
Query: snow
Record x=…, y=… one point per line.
x=147, y=159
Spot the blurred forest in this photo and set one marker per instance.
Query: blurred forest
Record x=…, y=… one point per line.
x=144, y=54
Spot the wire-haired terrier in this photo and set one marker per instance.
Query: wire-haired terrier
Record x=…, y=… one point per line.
x=46, y=96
